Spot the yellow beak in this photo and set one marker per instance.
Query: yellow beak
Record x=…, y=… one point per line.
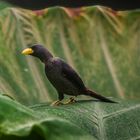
x=27, y=51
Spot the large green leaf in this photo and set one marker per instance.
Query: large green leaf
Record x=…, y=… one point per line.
x=3, y=5
x=101, y=44
x=83, y=120
x=17, y=122
x=103, y=120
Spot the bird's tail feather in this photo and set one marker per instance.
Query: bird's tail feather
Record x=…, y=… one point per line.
x=97, y=96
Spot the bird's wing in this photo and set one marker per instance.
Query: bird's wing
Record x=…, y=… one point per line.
x=69, y=73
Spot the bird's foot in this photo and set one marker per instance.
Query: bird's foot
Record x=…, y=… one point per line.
x=71, y=100
x=56, y=103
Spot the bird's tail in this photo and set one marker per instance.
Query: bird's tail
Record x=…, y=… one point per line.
x=97, y=96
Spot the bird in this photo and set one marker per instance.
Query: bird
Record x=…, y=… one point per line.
x=62, y=76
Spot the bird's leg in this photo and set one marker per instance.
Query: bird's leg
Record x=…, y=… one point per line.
x=58, y=102
x=71, y=100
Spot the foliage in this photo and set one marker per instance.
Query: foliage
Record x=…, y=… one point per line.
x=21, y=123
x=83, y=120
x=95, y=41
x=105, y=121
x=101, y=44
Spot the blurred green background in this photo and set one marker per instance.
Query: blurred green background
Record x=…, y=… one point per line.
x=101, y=44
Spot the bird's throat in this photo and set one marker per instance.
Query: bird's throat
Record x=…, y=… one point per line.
x=45, y=57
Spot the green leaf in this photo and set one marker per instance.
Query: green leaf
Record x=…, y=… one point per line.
x=101, y=44
x=82, y=120
x=17, y=122
x=107, y=121
x=3, y=5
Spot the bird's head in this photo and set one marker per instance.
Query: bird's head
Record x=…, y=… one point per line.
x=38, y=51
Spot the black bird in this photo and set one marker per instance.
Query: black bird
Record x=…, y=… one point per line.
x=62, y=76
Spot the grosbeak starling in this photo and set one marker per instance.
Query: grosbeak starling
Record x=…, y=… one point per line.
x=62, y=76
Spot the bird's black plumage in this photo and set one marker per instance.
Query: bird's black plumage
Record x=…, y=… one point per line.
x=62, y=76
x=72, y=76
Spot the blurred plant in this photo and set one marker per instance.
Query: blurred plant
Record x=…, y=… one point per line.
x=102, y=44
x=95, y=41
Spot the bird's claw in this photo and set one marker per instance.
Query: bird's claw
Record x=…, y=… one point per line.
x=71, y=100
x=56, y=103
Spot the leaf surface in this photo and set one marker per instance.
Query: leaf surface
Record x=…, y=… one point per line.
x=18, y=122
x=96, y=41
x=106, y=121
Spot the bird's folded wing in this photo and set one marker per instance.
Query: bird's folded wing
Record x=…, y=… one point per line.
x=69, y=73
